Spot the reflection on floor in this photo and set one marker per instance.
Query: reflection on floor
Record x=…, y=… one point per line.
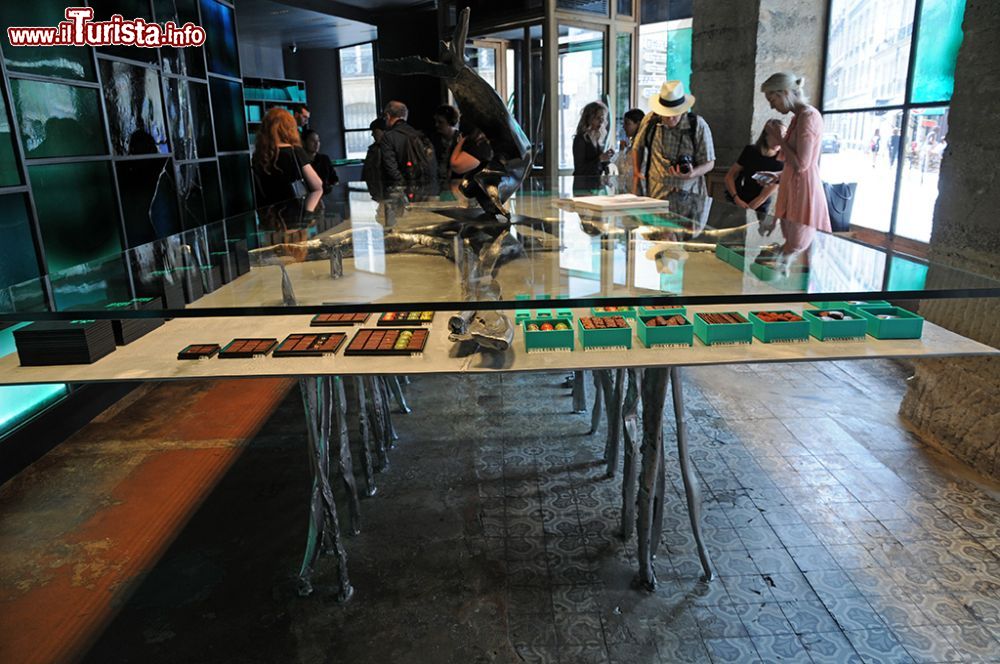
x=838, y=537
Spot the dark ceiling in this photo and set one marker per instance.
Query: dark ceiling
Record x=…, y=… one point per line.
x=267, y=20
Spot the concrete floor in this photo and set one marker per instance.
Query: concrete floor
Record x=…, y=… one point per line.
x=838, y=537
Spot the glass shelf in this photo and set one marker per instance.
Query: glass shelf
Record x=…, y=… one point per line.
x=438, y=254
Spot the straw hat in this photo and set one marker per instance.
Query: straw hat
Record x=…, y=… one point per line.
x=671, y=100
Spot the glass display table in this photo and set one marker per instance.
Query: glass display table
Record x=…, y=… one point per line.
x=554, y=263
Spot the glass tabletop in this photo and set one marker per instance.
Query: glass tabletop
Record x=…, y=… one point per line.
x=438, y=253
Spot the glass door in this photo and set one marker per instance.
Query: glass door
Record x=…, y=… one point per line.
x=581, y=81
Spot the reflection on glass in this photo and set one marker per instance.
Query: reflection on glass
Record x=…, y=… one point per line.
x=863, y=148
x=926, y=140
x=149, y=199
x=76, y=212
x=92, y=285
x=906, y=274
x=58, y=120
x=581, y=81
x=181, y=61
x=69, y=62
x=357, y=76
x=590, y=6
x=937, y=50
x=868, y=53
x=625, y=7
x=356, y=143
x=623, y=80
x=190, y=121
x=17, y=250
x=228, y=114
x=368, y=242
x=134, y=103
x=237, y=187
x=9, y=173
x=220, y=42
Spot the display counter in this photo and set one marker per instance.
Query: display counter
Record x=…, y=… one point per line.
x=596, y=282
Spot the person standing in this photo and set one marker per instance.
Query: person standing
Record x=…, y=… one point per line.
x=446, y=135
x=407, y=156
x=371, y=170
x=590, y=159
x=876, y=145
x=625, y=159
x=302, y=117
x=893, y=146
x=677, y=144
x=320, y=162
x=800, y=196
x=281, y=167
x=762, y=156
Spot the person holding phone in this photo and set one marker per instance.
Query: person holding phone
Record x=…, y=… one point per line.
x=590, y=159
x=742, y=187
x=801, y=198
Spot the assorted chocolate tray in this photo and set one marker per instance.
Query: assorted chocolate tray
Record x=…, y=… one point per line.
x=310, y=344
x=547, y=326
x=779, y=326
x=244, y=348
x=666, y=330
x=390, y=341
x=198, y=351
x=722, y=328
x=394, y=318
x=339, y=320
x=605, y=332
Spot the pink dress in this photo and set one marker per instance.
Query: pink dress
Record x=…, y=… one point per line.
x=800, y=197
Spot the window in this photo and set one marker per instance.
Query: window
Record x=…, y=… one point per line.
x=360, y=106
x=664, y=55
x=581, y=81
x=886, y=123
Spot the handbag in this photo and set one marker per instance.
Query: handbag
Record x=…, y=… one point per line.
x=299, y=187
x=840, y=202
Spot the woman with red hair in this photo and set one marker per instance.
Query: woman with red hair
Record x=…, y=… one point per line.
x=280, y=166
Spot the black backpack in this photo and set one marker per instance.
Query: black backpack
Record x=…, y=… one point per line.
x=420, y=163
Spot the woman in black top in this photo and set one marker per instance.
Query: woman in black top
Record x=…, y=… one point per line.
x=590, y=160
x=279, y=162
x=320, y=162
x=762, y=156
x=471, y=154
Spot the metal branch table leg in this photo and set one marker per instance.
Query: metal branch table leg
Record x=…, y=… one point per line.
x=376, y=416
x=650, y=499
x=345, y=464
x=596, y=411
x=630, y=472
x=579, y=393
x=383, y=385
x=612, y=386
x=397, y=392
x=691, y=488
x=324, y=529
x=365, y=431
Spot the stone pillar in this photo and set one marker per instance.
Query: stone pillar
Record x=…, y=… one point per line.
x=957, y=402
x=736, y=45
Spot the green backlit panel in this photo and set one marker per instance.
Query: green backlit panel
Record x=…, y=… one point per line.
x=76, y=212
x=70, y=62
x=679, y=56
x=17, y=248
x=237, y=187
x=938, y=42
x=220, y=40
x=149, y=200
x=623, y=74
x=228, y=114
x=9, y=173
x=58, y=120
x=21, y=402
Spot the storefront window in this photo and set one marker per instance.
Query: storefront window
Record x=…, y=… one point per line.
x=357, y=82
x=664, y=55
x=879, y=132
x=581, y=81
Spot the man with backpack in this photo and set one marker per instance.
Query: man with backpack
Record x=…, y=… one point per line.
x=677, y=144
x=408, y=158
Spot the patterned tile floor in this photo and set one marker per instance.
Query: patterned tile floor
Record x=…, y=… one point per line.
x=837, y=535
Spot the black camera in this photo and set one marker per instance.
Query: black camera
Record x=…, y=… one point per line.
x=685, y=163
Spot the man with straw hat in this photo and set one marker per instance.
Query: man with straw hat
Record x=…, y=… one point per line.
x=678, y=144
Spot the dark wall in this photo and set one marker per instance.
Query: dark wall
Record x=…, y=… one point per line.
x=319, y=68
x=410, y=33
x=262, y=58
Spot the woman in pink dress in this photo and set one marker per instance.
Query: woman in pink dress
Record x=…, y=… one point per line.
x=800, y=197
